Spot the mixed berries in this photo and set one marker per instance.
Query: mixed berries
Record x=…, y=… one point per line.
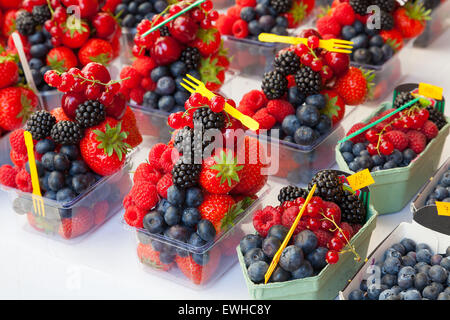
x=442, y=190
x=409, y=271
x=394, y=142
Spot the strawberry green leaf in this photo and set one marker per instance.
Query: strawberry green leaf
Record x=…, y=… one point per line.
x=207, y=35
x=102, y=58
x=209, y=69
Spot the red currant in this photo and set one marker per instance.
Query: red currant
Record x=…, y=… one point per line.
x=408, y=122
x=176, y=120
x=174, y=9
x=342, y=234
x=333, y=213
x=113, y=87
x=335, y=244
x=372, y=135
x=326, y=225
x=299, y=201
x=206, y=23
x=93, y=92
x=301, y=49
x=306, y=59
x=207, y=5
x=313, y=224
x=198, y=14
x=424, y=114
x=195, y=100
x=138, y=51
x=326, y=72
x=188, y=120
x=332, y=257
x=48, y=25
x=386, y=148
x=313, y=210
x=60, y=15
x=316, y=65
x=213, y=15
x=231, y=102
x=52, y=78
x=217, y=104
x=143, y=26
x=67, y=81
x=56, y=32
x=288, y=204
x=313, y=42
x=56, y=42
x=372, y=148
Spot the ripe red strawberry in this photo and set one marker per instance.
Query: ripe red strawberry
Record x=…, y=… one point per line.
x=8, y=25
x=145, y=172
x=265, y=119
x=144, y=65
x=323, y=237
x=207, y=41
x=280, y=109
x=155, y=154
x=264, y=219
x=78, y=225
x=96, y=50
x=299, y=11
x=8, y=70
x=8, y=176
x=398, y=139
x=417, y=141
x=212, y=73
x=100, y=210
x=360, y=137
x=163, y=184
x=335, y=107
x=429, y=129
x=62, y=59
x=344, y=14
x=17, y=141
x=196, y=273
x=254, y=100
x=354, y=86
x=74, y=35
x=411, y=19
x=328, y=25
x=144, y=195
x=393, y=37
x=218, y=209
x=150, y=257
x=105, y=25
x=134, y=216
x=16, y=105
x=129, y=125
x=103, y=147
x=19, y=159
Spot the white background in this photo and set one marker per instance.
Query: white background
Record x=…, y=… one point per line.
x=104, y=265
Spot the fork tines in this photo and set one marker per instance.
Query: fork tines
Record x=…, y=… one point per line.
x=38, y=205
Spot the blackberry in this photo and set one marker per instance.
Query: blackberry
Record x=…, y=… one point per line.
x=25, y=23
x=385, y=5
x=287, y=63
x=164, y=31
x=281, y=6
x=209, y=119
x=274, y=85
x=402, y=98
x=437, y=117
x=359, y=6
x=308, y=81
x=185, y=175
x=187, y=142
x=329, y=186
x=40, y=124
x=191, y=57
x=352, y=208
x=41, y=14
x=66, y=133
x=386, y=20
x=90, y=113
x=290, y=193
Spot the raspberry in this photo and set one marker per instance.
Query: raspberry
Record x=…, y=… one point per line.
x=101, y=212
x=360, y=137
x=128, y=201
x=144, y=195
x=168, y=158
x=60, y=115
x=134, y=216
x=429, y=129
x=323, y=237
x=137, y=95
x=155, y=154
x=386, y=112
x=344, y=14
x=328, y=25
x=240, y=29
x=246, y=110
x=144, y=65
x=125, y=91
x=163, y=184
x=225, y=24
x=417, y=141
x=133, y=75
x=234, y=12
x=254, y=100
x=288, y=217
x=347, y=227
x=398, y=139
x=145, y=172
x=246, y=3
x=8, y=176
x=291, y=81
x=147, y=84
x=280, y=109
x=23, y=181
x=18, y=159
x=356, y=227
x=264, y=219
x=17, y=141
x=265, y=120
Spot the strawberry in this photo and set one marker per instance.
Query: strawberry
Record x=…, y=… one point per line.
x=60, y=115
x=280, y=109
x=344, y=14
x=75, y=34
x=9, y=23
x=207, y=41
x=327, y=25
x=61, y=59
x=196, y=273
x=220, y=173
x=129, y=125
x=144, y=65
x=360, y=137
x=212, y=74
x=398, y=139
x=79, y=224
x=298, y=12
x=16, y=105
x=335, y=106
x=355, y=85
x=150, y=257
x=411, y=19
x=417, y=141
x=429, y=129
x=393, y=38
x=218, y=209
x=96, y=50
x=10, y=4
x=105, y=25
x=9, y=71
x=103, y=147
x=17, y=141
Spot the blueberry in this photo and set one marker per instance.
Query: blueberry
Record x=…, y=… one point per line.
x=44, y=69
x=201, y=259
x=248, y=14
x=180, y=98
x=166, y=103
x=159, y=72
x=304, y=271
x=254, y=255
x=362, y=55
x=388, y=52
x=254, y=28
x=392, y=253
x=65, y=195
x=317, y=258
x=377, y=55
x=308, y=115
x=160, y=6
x=421, y=280
x=391, y=265
x=39, y=167
x=347, y=146
x=443, y=296
x=36, y=38
x=291, y=258
x=266, y=22
x=408, y=244
x=365, y=162
x=281, y=21
x=56, y=181
x=390, y=165
x=194, y=197
x=78, y=167
x=386, y=294
x=436, y=259
x=440, y=193
x=422, y=267
x=356, y=294
x=154, y=222
x=72, y=152
x=399, y=248
x=257, y=271
x=48, y=160
x=378, y=160
x=348, y=32
x=295, y=97
x=36, y=77
x=261, y=9
x=324, y=125
x=280, y=275
x=61, y=162
x=424, y=255
x=279, y=30
x=445, y=180
x=408, y=261
x=278, y=231
x=389, y=279
x=196, y=241
x=316, y=100
x=270, y=246
x=412, y=294
x=360, y=41
x=178, y=232
x=359, y=26
x=80, y=183
x=306, y=240
x=205, y=230
x=406, y=277
x=354, y=166
x=190, y=217
x=167, y=257
x=438, y=274
x=50, y=195
x=121, y=8
x=165, y=86
x=348, y=157
x=305, y=136
x=290, y=125
x=36, y=64
x=445, y=263
x=151, y=100
x=172, y=216
x=38, y=51
x=430, y=292
x=374, y=291
x=412, y=255
x=357, y=148
x=195, y=73
x=249, y=242
x=178, y=69
x=175, y=195
x=395, y=156
x=144, y=8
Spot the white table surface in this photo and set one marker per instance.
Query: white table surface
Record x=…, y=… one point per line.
x=104, y=265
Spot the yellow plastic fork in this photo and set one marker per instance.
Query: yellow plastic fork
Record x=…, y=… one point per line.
x=334, y=45
x=38, y=202
x=200, y=87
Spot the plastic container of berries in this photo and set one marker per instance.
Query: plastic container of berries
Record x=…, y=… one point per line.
x=435, y=27
x=328, y=282
x=429, y=232
x=51, y=99
x=429, y=193
x=406, y=181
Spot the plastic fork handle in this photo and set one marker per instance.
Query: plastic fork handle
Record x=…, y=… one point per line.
x=31, y=160
x=270, y=37
x=250, y=123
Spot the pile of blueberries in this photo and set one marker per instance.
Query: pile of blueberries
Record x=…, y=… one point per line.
x=178, y=218
x=308, y=124
x=358, y=158
x=41, y=44
x=442, y=190
x=304, y=258
x=132, y=12
x=368, y=46
x=169, y=96
x=409, y=271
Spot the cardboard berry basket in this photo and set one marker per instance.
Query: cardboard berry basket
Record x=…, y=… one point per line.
x=325, y=285
x=403, y=182
x=427, y=227
x=421, y=198
x=94, y=206
x=436, y=26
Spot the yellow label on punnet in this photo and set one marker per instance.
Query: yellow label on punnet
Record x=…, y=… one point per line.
x=443, y=208
x=430, y=91
x=360, y=179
